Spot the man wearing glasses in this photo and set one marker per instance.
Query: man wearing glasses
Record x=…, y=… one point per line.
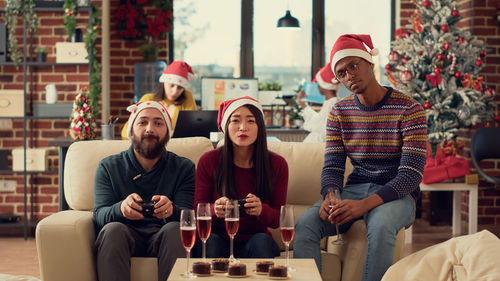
x=384, y=133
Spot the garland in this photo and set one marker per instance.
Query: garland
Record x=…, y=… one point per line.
x=95, y=72
x=13, y=9
x=69, y=16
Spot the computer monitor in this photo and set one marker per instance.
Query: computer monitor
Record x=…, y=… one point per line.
x=196, y=123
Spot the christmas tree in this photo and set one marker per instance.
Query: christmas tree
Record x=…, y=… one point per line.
x=438, y=64
x=82, y=120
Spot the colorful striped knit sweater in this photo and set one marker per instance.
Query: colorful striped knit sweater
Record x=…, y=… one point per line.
x=386, y=144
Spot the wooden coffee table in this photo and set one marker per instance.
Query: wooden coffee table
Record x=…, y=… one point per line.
x=305, y=270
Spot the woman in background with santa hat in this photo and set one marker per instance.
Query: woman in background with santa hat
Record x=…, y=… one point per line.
x=243, y=168
x=172, y=92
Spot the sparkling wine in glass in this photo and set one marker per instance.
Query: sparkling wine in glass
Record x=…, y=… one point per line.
x=287, y=229
x=232, y=219
x=188, y=236
x=334, y=197
x=204, y=224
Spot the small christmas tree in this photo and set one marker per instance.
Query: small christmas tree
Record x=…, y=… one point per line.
x=82, y=120
x=438, y=64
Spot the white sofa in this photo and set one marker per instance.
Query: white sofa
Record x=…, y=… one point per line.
x=65, y=239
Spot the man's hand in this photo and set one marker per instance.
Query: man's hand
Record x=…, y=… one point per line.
x=220, y=207
x=347, y=209
x=253, y=205
x=324, y=210
x=300, y=96
x=164, y=208
x=129, y=207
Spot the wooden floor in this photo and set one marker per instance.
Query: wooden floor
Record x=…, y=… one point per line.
x=19, y=257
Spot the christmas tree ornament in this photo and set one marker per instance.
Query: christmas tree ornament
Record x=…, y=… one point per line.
x=463, y=113
x=446, y=46
x=438, y=70
x=427, y=105
x=458, y=74
x=496, y=118
x=417, y=26
x=426, y=4
x=406, y=34
x=445, y=28
x=388, y=67
x=421, y=52
x=453, y=61
x=455, y=13
x=393, y=56
x=440, y=57
x=489, y=93
x=483, y=54
x=461, y=40
x=404, y=60
x=479, y=62
x=406, y=76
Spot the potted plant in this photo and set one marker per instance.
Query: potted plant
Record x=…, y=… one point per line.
x=41, y=54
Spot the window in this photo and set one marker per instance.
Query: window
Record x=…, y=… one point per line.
x=207, y=37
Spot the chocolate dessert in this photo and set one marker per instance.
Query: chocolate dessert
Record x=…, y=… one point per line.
x=220, y=265
x=201, y=268
x=237, y=269
x=263, y=266
x=278, y=271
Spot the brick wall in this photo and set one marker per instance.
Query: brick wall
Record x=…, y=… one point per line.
x=479, y=18
x=68, y=80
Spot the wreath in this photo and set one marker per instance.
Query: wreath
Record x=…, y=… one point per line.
x=134, y=24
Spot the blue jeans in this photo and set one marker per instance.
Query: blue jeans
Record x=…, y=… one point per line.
x=382, y=225
x=260, y=245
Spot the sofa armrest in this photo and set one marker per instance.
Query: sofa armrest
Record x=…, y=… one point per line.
x=65, y=246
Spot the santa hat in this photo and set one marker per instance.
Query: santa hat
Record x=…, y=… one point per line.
x=178, y=73
x=326, y=79
x=352, y=45
x=138, y=107
x=227, y=108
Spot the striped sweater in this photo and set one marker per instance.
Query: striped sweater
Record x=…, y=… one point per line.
x=386, y=144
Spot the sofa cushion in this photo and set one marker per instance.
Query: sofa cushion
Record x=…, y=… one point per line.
x=84, y=156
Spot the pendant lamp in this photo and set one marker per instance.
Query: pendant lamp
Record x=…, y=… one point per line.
x=288, y=21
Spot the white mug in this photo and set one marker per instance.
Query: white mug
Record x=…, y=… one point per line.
x=50, y=93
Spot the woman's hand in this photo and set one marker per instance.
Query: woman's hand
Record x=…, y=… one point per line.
x=253, y=205
x=220, y=207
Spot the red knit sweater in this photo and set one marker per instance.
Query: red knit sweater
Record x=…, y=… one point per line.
x=206, y=191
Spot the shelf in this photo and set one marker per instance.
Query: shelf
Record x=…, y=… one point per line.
x=55, y=9
x=16, y=229
x=28, y=172
x=34, y=63
x=38, y=117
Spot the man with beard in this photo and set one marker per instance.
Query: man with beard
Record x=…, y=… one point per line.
x=384, y=134
x=146, y=172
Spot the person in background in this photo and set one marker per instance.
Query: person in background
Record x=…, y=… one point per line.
x=315, y=122
x=172, y=92
x=146, y=172
x=243, y=168
x=384, y=134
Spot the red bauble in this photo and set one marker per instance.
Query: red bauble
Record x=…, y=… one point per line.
x=440, y=57
x=497, y=118
x=446, y=46
x=458, y=74
x=404, y=60
x=421, y=52
x=427, y=105
x=394, y=56
x=479, y=62
x=483, y=54
x=426, y=4
x=406, y=76
x=461, y=40
x=388, y=67
x=406, y=34
x=438, y=70
x=445, y=28
x=489, y=93
x=455, y=13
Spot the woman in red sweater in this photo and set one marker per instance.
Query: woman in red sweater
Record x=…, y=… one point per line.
x=243, y=168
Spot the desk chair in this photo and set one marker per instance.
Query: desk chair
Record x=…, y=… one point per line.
x=485, y=146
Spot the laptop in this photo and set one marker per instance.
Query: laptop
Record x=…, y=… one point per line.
x=196, y=123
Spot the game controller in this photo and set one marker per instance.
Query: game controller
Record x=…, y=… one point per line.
x=148, y=208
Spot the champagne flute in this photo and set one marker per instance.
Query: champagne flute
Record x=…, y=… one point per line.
x=287, y=229
x=232, y=219
x=188, y=237
x=334, y=197
x=204, y=224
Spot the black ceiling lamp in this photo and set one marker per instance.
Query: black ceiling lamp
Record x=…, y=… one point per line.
x=288, y=20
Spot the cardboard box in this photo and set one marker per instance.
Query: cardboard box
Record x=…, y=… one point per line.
x=11, y=103
x=36, y=159
x=67, y=52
